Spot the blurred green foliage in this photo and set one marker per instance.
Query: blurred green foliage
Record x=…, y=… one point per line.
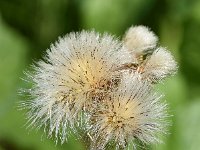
x=28, y=27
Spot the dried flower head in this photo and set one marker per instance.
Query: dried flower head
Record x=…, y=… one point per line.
x=152, y=62
x=98, y=84
x=139, y=39
x=158, y=66
x=75, y=70
x=132, y=112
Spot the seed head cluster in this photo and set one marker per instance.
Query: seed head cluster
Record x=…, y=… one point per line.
x=101, y=85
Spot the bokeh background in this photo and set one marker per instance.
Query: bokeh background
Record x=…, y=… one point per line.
x=28, y=27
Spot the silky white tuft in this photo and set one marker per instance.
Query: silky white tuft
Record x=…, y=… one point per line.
x=132, y=112
x=139, y=38
x=158, y=66
x=75, y=70
x=93, y=84
x=153, y=63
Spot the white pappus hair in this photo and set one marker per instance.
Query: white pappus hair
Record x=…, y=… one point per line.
x=102, y=87
x=74, y=70
x=159, y=65
x=140, y=38
x=132, y=112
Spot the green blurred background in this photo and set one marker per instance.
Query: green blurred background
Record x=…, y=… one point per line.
x=27, y=27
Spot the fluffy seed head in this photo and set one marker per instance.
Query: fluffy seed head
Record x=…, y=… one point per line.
x=158, y=66
x=73, y=71
x=132, y=112
x=152, y=62
x=139, y=38
x=97, y=83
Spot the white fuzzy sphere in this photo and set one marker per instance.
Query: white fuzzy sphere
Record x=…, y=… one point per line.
x=139, y=38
